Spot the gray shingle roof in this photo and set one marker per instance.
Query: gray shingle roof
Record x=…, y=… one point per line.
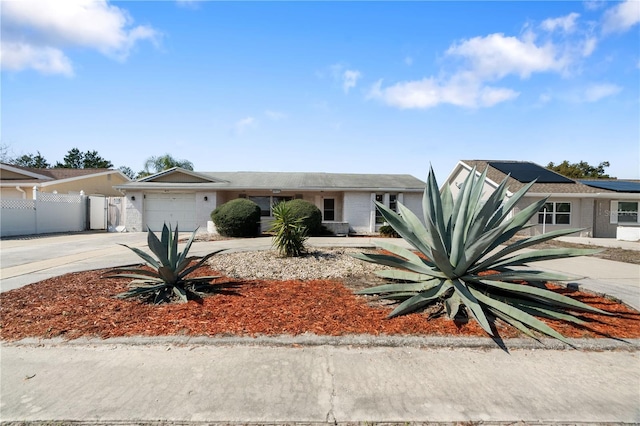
x=540, y=188
x=298, y=181
x=311, y=181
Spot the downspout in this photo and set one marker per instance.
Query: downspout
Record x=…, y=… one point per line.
x=24, y=194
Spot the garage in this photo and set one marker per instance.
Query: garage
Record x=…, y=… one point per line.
x=170, y=208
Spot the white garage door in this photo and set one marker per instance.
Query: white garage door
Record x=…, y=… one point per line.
x=169, y=208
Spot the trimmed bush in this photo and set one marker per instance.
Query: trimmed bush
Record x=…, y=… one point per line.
x=310, y=214
x=237, y=218
x=388, y=231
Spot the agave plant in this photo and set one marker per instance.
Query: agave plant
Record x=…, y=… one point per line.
x=290, y=232
x=461, y=261
x=169, y=278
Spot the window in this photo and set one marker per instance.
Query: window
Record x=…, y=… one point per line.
x=393, y=202
x=627, y=212
x=624, y=212
x=277, y=200
x=555, y=214
x=389, y=200
x=379, y=218
x=329, y=211
x=266, y=203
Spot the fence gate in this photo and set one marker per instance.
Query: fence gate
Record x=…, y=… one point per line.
x=97, y=212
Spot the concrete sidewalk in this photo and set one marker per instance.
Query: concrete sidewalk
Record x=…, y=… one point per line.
x=134, y=381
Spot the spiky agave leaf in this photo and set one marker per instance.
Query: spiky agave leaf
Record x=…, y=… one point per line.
x=169, y=272
x=466, y=263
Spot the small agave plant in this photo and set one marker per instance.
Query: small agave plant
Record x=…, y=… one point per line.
x=169, y=278
x=465, y=265
x=290, y=232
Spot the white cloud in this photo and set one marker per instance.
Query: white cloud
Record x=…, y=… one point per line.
x=594, y=4
x=462, y=90
x=275, y=115
x=242, y=125
x=565, y=23
x=544, y=98
x=45, y=28
x=347, y=78
x=588, y=46
x=496, y=56
x=486, y=59
x=350, y=79
x=595, y=92
x=558, y=45
x=621, y=17
x=490, y=96
x=17, y=56
x=189, y=4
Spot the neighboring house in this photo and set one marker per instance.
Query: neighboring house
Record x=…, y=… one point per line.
x=606, y=209
x=40, y=201
x=188, y=198
x=623, y=205
x=19, y=182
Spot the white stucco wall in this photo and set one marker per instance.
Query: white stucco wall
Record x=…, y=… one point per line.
x=204, y=208
x=459, y=178
x=133, y=211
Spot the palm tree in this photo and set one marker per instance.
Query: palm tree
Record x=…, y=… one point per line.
x=163, y=162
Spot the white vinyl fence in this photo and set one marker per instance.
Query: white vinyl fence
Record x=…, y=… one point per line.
x=48, y=213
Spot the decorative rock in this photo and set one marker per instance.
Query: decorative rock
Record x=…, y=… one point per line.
x=317, y=264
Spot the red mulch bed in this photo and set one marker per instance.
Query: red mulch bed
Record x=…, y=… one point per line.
x=82, y=305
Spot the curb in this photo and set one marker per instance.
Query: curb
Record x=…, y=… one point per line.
x=351, y=341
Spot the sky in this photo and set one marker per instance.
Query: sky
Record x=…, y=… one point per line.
x=342, y=87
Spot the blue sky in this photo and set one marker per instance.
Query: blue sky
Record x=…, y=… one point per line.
x=361, y=87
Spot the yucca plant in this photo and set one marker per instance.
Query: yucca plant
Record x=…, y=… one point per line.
x=290, y=233
x=169, y=278
x=464, y=264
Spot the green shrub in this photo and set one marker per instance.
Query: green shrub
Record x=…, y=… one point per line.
x=237, y=218
x=465, y=266
x=310, y=214
x=289, y=231
x=388, y=231
x=169, y=278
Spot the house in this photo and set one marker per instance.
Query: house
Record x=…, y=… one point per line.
x=188, y=198
x=40, y=201
x=19, y=182
x=606, y=209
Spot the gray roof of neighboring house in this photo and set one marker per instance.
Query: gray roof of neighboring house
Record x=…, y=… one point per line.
x=284, y=181
x=514, y=185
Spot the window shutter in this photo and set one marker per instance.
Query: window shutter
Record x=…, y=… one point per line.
x=613, y=212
